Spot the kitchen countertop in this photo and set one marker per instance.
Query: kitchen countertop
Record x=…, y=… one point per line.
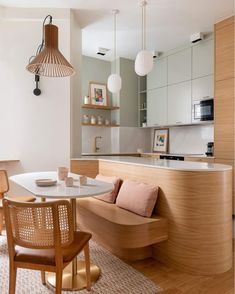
x=162, y=163
x=112, y=154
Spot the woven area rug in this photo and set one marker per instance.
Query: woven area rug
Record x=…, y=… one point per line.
x=117, y=277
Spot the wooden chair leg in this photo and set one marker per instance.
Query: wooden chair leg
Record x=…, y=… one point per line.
x=43, y=277
x=87, y=262
x=12, y=279
x=58, y=287
x=1, y=220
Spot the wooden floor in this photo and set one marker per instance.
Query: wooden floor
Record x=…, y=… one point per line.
x=174, y=282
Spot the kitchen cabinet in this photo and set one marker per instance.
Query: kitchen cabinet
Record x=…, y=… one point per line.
x=179, y=104
x=157, y=107
x=203, y=88
x=203, y=59
x=158, y=76
x=179, y=66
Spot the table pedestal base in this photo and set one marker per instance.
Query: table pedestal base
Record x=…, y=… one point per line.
x=77, y=282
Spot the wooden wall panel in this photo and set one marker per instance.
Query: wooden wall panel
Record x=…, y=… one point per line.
x=224, y=119
x=224, y=148
x=89, y=168
x=224, y=49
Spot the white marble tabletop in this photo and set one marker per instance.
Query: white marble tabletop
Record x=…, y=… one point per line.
x=92, y=188
x=162, y=163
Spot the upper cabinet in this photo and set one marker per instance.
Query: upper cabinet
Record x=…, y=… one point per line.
x=203, y=59
x=158, y=76
x=157, y=107
x=179, y=66
x=179, y=103
x=203, y=88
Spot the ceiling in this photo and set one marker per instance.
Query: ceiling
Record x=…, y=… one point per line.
x=169, y=22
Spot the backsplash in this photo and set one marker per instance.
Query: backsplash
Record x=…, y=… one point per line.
x=190, y=139
x=116, y=140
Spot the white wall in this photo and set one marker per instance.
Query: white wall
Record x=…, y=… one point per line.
x=34, y=129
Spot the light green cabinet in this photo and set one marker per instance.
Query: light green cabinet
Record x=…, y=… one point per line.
x=179, y=104
x=158, y=76
x=203, y=59
x=203, y=88
x=157, y=107
x=179, y=67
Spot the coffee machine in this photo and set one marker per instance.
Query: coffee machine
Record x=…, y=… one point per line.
x=210, y=149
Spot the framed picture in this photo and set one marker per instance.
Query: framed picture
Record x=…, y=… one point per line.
x=98, y=94
x=161, y=140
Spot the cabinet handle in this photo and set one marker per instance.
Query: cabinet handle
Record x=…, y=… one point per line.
x=206, y=97
x=178, y=122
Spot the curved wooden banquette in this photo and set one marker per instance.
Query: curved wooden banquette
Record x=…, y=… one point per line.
x=194, y=214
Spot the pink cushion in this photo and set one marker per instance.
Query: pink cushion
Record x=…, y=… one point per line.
x=111, y=196
x=137, y=197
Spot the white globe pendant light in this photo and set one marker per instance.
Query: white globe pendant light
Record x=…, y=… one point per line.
x=114, y=83
x=114, y=80
x=144, y=59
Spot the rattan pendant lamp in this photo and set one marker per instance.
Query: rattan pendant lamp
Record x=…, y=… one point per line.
x=49, y=61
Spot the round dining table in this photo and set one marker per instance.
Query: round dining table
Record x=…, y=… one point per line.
x=74, y=275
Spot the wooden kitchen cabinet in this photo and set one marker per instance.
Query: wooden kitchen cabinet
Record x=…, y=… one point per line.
x=179, y=67
x=203, y=88
x=158, y=76
x=157, y=107
x=203, y=59
x=179, y=104
x=224, y=145
x=224, y=49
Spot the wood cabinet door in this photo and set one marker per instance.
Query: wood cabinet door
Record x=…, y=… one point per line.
x=157, y=107
x=179, y=104
x=179, y=67
x=203, y=59
x=158, y=76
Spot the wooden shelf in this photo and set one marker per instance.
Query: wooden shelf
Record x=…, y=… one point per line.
x=91, y=106
x=96, y=125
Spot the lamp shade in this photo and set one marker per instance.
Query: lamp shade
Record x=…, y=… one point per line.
x=143, y=63
x=114, y=83
x=50, y=62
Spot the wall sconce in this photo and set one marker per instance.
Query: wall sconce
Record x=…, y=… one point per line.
x=49, y=61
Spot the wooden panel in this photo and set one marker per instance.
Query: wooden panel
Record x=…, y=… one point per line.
x=224, y=119
x=232, y=163
x=224, y=50
x=193, y=202
x=224, y=23
x=89, y=168
x=120, y=230
x=200, y=159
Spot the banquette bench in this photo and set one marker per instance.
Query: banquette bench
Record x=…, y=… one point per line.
x=195, y=199
x=124, y=233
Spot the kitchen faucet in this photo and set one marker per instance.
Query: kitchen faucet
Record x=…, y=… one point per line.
x=96, y=148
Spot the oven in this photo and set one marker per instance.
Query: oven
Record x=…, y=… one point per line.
x=203, y=110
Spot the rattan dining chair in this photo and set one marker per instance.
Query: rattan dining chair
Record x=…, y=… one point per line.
x=41, y=237
x=4, y=188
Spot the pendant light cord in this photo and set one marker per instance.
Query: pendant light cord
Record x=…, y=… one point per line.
x=115, y=40
x=144, y=25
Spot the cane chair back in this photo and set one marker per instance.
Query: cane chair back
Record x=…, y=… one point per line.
x=4, y=184
x=39, y=225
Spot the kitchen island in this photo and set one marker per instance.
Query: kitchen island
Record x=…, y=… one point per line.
x=195, y=197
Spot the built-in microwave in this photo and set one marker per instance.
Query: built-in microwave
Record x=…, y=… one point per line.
x=203, y=110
